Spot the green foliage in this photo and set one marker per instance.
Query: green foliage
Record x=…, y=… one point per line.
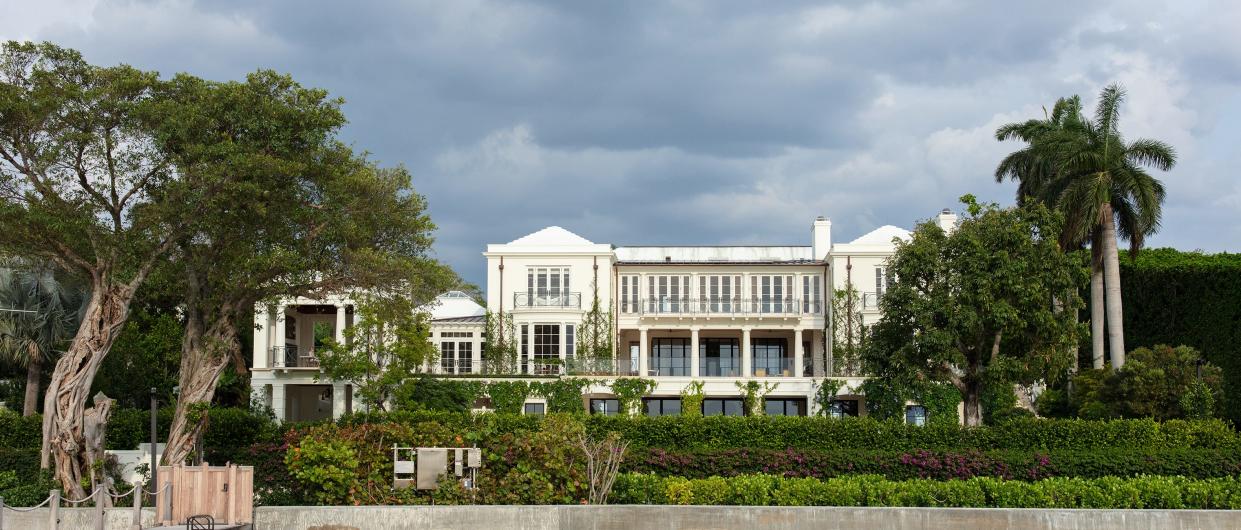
x=753, y=394
x=508, y=397
x=945, y=464
x=426, y=392
x=1154, y=383
x=848, y=332
x=630, y=391
x=388, y=341
x=975, y=305
x=1190, y=298
x=691, y=399
x=26, y=489
x=886, y=399
x=564, y=395
x=596, y=337
x=328, y=465
x=499, y=354
x=825, y=393
x=871, y=490
x=1198, y=402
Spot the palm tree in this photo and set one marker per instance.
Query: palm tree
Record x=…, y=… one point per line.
x=39, y=312
x=1087, y=170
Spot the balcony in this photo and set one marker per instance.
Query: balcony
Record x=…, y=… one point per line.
x=763, y=306
x=288, y=356
x=773, y=367
x=551, y=300
x=609, y=367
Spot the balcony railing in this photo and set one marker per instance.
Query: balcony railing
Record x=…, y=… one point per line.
x=773, y=367
x=612, y=367
x=288, y=356
x=762, y=306
x=871, y=300
x=551, y=300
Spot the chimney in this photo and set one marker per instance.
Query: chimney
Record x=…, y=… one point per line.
x=947, y=221
x=821, y=237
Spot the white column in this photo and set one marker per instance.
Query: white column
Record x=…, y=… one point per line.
x=476, y=357
x=277, y=399
x=338, y=400
x=644, y=351
x=747, y=360
x=262, y=338
x=693, y=352
x=798, y=365
x=340, y=323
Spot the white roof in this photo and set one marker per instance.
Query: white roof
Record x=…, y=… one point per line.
x=552, y=236
x=882, y=236
x=454, y=304
x=714, y=254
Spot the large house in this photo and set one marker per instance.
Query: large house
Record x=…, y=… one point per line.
x=715, y=314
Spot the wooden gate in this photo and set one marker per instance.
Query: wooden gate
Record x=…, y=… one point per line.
x=223, y=492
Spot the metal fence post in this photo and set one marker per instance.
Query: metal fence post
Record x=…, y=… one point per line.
x=137, y=522
x=54, y=514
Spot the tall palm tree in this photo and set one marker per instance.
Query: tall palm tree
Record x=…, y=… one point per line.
x=1087, y=170
x=39, y=313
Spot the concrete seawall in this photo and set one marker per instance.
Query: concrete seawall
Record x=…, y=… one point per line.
x=670, y=518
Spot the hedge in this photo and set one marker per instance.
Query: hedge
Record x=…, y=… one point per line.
x=941, y=465
x=869, y=490
x=228, y=427
x=766, y=432
x=1173, y=297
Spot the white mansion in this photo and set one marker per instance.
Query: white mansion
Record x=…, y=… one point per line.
x=716, y=314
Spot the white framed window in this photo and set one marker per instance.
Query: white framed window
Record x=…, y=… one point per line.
x=771, y=293
x=720, y=293
x=668, y=293
x=629, y=293
x=812, y=294
x=547, y=286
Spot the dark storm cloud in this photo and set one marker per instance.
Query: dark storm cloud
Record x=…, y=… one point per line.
x=705, y=122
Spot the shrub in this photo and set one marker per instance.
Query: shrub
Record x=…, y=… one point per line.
x=1153, y=384
x=869, y=490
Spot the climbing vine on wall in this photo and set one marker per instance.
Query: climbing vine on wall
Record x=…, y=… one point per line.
x=691, y=399
x=754, y=394
x=825, y=393
x=508, y=396
x=563, y=395
x=630, y=391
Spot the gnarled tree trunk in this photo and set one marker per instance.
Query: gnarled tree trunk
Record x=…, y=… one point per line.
x=204, y=354
x=34, y=372
x=65, y=402
x=1111, y=284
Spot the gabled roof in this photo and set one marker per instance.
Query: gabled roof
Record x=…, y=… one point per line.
x=552, y=236
x=882, y=236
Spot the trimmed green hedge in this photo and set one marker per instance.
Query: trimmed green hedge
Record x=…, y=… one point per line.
x=869, y=490
x=941, y=465
x=766, y=432
x=1190, y=298
x=228, y=427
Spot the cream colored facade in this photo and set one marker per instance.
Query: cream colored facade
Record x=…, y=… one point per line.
x=722, y=315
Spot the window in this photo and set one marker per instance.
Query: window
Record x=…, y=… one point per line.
x=771, y=357
x=629, y=293
x=785, y=406
x=546, y=348
x=723, y=407
x=841, y=408
x=606, y=407
x=812, y=294
x=670, y=356
x=568, y=342
x=807, y=360
x=534, y=409
x=720, y=294
x=323, y=332
x=915, y=415
x=465, y=357
x=881, y=283
x=668, y=294
x=771, y=294
x=662, y=406
x=448, y=358
x=547, y=286
x=525, y=348
x=456, y=334
x=719, y=357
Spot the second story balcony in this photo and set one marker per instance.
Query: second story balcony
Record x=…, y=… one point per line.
x=547, y=300
x=289, y=356
x=752, y=307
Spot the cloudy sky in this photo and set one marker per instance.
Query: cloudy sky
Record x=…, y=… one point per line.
x=707, y=122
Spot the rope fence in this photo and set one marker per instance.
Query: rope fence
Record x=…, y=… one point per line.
x=97, y=495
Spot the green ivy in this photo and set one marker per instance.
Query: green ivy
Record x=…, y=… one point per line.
x=629, y=392
x=825, y=393
x=563, y=395
x=508, y=397
x=753, y=395
x=691, y=400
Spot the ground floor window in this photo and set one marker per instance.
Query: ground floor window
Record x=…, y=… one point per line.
x=841, y=408
x=771, y=357
x=535, y=409
x=785, y=406
x=662, y=406
x=723, y=407
x=915, y=415
x=606, y=407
